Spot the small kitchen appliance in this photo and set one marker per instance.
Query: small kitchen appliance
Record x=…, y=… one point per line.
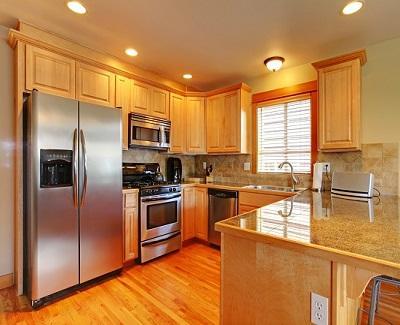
x=353, y=184
x=174, y=170
x=318, y=176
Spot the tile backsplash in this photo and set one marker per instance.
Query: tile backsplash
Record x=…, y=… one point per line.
x=381, y=159
x=153, y=156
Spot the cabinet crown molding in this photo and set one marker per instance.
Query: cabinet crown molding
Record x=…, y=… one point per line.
x=360, y=55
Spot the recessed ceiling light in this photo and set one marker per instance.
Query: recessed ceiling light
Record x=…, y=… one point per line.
x=131, y=52
x=187, y=76
x=274, y=63
x=76, y=7
x=352, y=7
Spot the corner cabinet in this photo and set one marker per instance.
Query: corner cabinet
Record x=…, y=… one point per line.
x=178, y=123
x=195, y=213
x=131, y=224
x=229, y=122
x=95, y=85
x=195, y=125
x=339, y=87
x=49, y=72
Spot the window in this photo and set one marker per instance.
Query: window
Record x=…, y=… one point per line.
x=284, y=130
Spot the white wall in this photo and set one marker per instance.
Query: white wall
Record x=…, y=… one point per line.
x=6, y=156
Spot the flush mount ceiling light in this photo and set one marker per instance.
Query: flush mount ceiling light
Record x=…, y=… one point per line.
x=352, y=7
x=274, y=63
x=131, y=52
x=187, y=76
x=76, y=7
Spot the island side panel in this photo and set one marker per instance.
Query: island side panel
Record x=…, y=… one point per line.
x=266, y=284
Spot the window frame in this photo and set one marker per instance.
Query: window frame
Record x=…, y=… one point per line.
x=300, y=91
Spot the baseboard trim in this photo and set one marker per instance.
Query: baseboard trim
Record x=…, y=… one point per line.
x=6, y=280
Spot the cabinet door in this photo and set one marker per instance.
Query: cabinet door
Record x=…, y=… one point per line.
x=141, y=98
x=159, y=103
x=201, y=218
x=188, y=215
x=123, y=100
x=178, y=123
x=231, y=128
x=215, y=123
x=131, y=233
x=49, y=72
x=339, y=107
x=195, y=125
x=95, y=85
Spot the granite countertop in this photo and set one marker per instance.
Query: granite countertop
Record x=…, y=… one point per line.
x=364, y=230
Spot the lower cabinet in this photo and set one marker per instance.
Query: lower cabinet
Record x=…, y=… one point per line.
x=131, y=224
x=249, y=201
x=195, y=213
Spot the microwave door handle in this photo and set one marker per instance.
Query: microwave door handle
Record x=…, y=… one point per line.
x=162, y=136
x=75, y=168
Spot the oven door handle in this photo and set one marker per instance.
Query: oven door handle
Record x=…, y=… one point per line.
x=160, y=240
x=160, y=198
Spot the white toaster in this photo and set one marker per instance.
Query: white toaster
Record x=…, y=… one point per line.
x=353, y=184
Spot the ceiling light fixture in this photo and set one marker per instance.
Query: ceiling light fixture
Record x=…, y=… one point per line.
x=352, y=7
x=187, y=76
x=274, y=63
x=131, y=52
x=76, y=7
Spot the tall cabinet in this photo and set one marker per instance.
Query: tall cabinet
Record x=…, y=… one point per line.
x=195, y=125
x=339, y=86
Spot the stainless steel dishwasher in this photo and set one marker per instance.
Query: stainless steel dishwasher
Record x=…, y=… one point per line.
x=222, y=204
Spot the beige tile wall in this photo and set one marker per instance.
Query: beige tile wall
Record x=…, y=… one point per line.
x=381, y=159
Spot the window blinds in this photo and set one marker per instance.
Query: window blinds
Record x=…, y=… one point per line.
x=284, y=134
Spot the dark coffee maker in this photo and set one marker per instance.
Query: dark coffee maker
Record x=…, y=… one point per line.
x=174, y=170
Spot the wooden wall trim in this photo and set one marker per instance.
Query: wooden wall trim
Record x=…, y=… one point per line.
x=6, y=280
x=299, y=89
x=361, y=55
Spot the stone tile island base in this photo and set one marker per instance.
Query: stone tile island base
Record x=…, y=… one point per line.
x=264, y=283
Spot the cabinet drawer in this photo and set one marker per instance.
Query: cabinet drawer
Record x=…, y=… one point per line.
x=131, y=200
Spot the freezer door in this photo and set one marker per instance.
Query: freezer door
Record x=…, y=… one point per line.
x=51, y=215
x=100, y=190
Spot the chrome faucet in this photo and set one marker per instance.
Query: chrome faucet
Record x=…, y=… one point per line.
x=295, y=180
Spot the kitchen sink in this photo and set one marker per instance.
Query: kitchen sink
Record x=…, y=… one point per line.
x=274, y=188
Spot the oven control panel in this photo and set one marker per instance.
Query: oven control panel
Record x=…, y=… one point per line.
x=157, y=190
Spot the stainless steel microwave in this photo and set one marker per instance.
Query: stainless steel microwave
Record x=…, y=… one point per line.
x=148, y=131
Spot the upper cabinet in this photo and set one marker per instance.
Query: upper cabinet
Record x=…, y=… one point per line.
x=123, y=87
x=95, y=85
x=150, y=100
x=178, y=123
x=195, y=125
x=49, y=72
x=339, y=87
x=229, y=122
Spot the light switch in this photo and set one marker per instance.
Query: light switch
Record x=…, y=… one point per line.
x=246, y=166
x=204, y=165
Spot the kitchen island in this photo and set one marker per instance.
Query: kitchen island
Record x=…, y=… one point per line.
x=274, y=257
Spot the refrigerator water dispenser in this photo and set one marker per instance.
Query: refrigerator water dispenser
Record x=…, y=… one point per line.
x=55, y=168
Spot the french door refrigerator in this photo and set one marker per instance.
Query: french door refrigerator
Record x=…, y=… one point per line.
x=73, y=190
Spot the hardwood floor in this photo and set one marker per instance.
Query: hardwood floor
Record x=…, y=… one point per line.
x=181, y=288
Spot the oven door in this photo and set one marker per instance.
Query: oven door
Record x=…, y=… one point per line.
x=160, y=215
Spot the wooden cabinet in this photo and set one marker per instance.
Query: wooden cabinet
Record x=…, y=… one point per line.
x=178, y=123
x=95, y=85
x=195, y=125
x=249, y=201
x=201, y=213
x=123, y=100
x=150, y=100
x=49, y=72
x=339, y=86
x=159, y=103
x=229, y=122
x=195, y=213
x=131, y=224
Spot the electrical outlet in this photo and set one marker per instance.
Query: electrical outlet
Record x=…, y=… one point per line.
x=246, y=166
x=319, y=309
x=204, y=165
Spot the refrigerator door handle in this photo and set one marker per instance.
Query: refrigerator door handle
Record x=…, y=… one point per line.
x=85, y=178
x=75, y=173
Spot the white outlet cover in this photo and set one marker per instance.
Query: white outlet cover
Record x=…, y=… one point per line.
x=204, y=165
x=319, y=309
x=246, y=166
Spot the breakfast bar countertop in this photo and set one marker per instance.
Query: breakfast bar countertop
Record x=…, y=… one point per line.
x=328, y=226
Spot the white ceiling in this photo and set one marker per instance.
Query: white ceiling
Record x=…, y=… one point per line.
x=219, y=41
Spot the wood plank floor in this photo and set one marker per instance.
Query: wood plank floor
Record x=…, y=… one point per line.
x=181, y=288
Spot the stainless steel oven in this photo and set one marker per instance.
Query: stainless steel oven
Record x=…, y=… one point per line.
x=160, y=221
x=150, y=132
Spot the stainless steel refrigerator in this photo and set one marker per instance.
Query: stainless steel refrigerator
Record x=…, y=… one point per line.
x=73, y=191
